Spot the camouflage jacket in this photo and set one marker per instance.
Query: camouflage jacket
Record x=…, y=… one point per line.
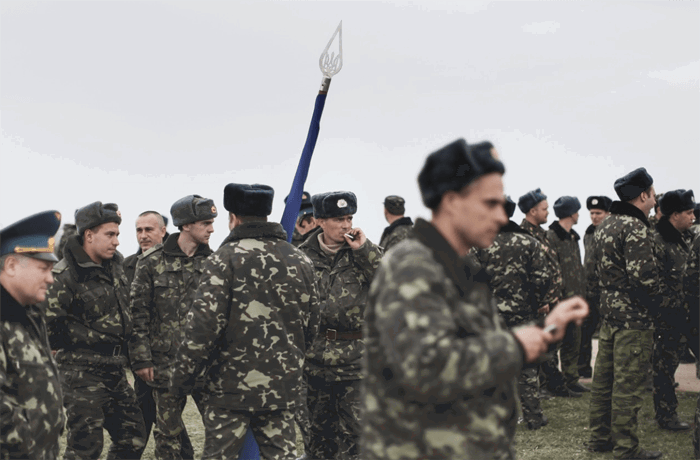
x=691, y=276
x=565, y=245
x=541, y=235
x=31, y=401
x=441, y=366
x=129, y=266
x=254, y=315
x=298, y=238
x=592, y=289
x=87, y=307
x=343, y=281
x=162, y=293
x=519, y=272
x=624, y=257
x=671, y=255
x=395, y=233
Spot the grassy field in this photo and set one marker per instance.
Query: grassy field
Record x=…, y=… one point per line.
x=562, y=439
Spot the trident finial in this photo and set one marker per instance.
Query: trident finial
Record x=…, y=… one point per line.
x=331, y=64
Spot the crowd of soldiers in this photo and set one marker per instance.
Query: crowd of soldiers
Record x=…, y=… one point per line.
x=430, y=344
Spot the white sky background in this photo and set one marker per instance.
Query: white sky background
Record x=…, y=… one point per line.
x=141, y=103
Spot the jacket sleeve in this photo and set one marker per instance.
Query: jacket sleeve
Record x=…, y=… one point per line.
x=367, y=258
x=142, y=299
x=540, y=274
x=641, y=263
x=57, y=307
x=429, y=356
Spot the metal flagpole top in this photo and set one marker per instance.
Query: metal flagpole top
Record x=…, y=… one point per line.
x=330, y=64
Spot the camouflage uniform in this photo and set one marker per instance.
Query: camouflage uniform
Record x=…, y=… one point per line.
x=334, y=362
x=672, y=322
x=254, y=315
x=521, y=283
x=129, y=265
x=691, y=289
x=395, y=233
x=161, y=295
x=565, y=245
x=628, y=278
x=68, y=231
x=590, y=324
x=89, y=321
x=441, y=367
x=31, y=401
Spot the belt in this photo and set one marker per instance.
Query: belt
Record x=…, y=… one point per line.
x=332, y=334
x=106, y=349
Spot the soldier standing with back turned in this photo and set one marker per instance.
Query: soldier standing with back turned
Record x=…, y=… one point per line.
x=399, y=226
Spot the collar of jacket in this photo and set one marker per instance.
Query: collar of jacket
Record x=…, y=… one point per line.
x=11, y=310
x=82, y=266
x=396, y=223
x=622, y=208
x=669, y=233
x=462, y=271
x=591, y=228
x=512, y=227
x=171, y=248
x=256, y=230
x=562, y=233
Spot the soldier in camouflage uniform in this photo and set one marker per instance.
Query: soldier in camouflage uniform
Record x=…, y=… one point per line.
x=399, y=226
x=305, y=223
x=167, y=277
x=535, y=207
x=522, y=286
x=672, y=242
x=441, y=367
x=691, y=289
x=68, y=231
x=628, y=277
x=255, y=313
x=344, y=262
x=565, y=244
x=150, y=230
x=31, y=401
x=599, y=208
x=89, y=322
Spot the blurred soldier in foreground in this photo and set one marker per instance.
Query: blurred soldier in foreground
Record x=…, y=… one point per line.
x=254, y=315
x=521, y=284
x=672, y=243
x=150, y=230
x=89, y=321
x=628, y=277
x=565, y=244
x=691, y=289
x=441, y=366
x=306, y=222
x=399, y=226
x=167, y=277
x=31, y=401
x=344, y=262
x=599, y=207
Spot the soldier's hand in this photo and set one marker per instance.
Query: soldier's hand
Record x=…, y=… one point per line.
x=359, y=240
x=572, y=309
x=146, y=374
x=534, y=341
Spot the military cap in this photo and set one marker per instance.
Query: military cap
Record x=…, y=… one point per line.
x=453, y=167
x=631, y=185
x=697, y=212
x=192, y=208
x=334, y=204
x=598, y=202
x=530, y=200
x=566, y=206
x=395, y=205
x=677, y=201
x=509, y=206
x=32, y=236
x=95, y=214
x=249, y=200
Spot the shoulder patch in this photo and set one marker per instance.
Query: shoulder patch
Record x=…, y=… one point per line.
x=60, y=266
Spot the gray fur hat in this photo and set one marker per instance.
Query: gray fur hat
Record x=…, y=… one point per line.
x=192, y=208
x=95, y=214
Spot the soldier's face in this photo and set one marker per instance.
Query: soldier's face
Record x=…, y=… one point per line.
x=574, y=217
x=29, y=277
x=103, y=240
x=334, y=228
x=149, y=232
x=477, y=212
x=201, y=231
x=597, y=216
x=682, y=220
x=540, y=212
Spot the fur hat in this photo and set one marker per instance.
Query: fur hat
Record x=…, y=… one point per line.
x=453, y=167
x=249, y=200
x=566, y=206
x=631, y=185
x=334, y=204
x=192, y=208
x=530, y=200
x=95, y=214
x=677, y=201
x=598, y=202
x=509, y=206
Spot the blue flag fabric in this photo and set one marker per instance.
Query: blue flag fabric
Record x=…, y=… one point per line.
x=250, y=450
x=291, y=210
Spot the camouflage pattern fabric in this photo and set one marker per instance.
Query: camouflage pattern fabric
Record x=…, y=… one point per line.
x=254, y=315
x=395, y=233
x=618, y=388
x=691, y=288
x=31, y=406
x=590, y=324
x=69, y=230
x=529, y=392
x=225, y=432
x=298, y=238
x=441, y=367
x=665, y=358
x=129, y=265
x=170, y=433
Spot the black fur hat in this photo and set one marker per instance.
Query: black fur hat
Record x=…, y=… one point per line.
x=530, y=200
x=677, y=201
x=453, y=167
x=249, y=200
x=334, y=204
x=192, y=208
x=598, y=202
x=631, y=185
x=95, y=214
x=509, y=206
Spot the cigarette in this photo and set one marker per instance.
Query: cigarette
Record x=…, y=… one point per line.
x=352, y=237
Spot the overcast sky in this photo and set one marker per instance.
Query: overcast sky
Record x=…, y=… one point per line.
x=141, y=103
